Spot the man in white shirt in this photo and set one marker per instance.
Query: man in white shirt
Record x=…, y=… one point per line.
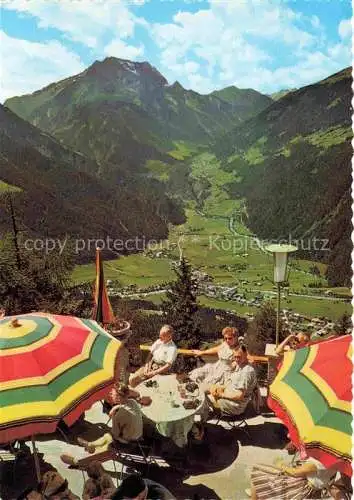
x=162, y=355
x=233, y=396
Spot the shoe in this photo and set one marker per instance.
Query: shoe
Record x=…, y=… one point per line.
x=69, y=460
x=90, y=448
x=248, y=492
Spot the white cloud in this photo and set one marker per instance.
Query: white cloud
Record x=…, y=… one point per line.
x=27, y=66
x=315, y=22
x=118, y=48
x=85, y=22
x=239, y=42
x=345, y=28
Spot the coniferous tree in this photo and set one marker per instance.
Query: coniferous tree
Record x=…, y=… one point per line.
x=261, y=330
x=180, y=306
x=43, y=282
x=344, y=325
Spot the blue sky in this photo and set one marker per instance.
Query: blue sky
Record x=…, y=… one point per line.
x=267, y=45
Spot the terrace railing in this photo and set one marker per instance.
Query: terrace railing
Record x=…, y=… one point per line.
x=267, y=361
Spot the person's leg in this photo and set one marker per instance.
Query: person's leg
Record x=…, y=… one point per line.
x=82, y=463
x=198, y=374
x=99, y=450
x=102, y=442
x=229, y=408
x=337, y=493
x=137, y=377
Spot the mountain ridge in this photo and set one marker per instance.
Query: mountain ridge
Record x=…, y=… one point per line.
x=284, y=160
x=60, y=196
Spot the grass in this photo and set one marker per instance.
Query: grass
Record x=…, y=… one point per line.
x=209, y=246
x=183, y=150
x=330, y=137
x=206, y=168
x=159, y=170
x=254, y=155
x=8, y=188
x=135, y=269
x=323, y=139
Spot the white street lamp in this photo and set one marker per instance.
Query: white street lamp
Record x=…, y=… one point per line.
x=280, y=254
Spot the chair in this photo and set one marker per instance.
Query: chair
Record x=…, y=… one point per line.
x=122, y=452
x=240, y=421
x=236, y=421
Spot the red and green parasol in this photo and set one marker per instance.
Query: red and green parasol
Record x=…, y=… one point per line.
x=52, y=368
x=312, y=394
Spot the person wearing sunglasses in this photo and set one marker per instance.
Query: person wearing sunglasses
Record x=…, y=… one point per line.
x=212, y=373
x=291, y=342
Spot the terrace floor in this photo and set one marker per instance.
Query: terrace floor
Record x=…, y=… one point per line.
x=218, y=471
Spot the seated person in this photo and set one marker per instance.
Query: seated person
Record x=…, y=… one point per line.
x=233, y=396
x=341, y=488
x=52, y=487
x=99, y=483
x=212, y=373
x=272, y=483
x=134, y=487
x=291, y=342
x=127, y=426
x=114, y=397
x=162, y=355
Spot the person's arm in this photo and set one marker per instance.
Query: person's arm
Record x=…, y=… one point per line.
x=113, y=410
x=158, y=371
x=236, y=395
x=301, y=471
x=211, y=350
x=133, y=394
x=281, y=347
x=215, y=390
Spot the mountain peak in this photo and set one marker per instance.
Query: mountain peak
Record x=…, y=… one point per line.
x=177, y=86
x=112, y=66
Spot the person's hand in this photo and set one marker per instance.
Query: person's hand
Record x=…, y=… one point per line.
x=149, y=374
x=2, y=313
x=145, y=400
x=197, y=352
x=292, y=336
x=214, y=391
x=112, y=412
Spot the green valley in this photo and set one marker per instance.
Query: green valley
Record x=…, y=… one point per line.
x=229, y=261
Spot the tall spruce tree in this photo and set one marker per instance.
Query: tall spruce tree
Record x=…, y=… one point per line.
x=180, y=306
x=261, y=330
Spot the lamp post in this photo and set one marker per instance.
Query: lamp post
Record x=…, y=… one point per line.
x=280, y=255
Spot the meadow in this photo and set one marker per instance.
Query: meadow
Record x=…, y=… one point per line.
x=228, y=260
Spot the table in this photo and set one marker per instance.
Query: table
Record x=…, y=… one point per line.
x=171, y=422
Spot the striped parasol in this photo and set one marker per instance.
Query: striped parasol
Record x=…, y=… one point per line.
x=102, y=311
x=52, y=368
x=312, y=394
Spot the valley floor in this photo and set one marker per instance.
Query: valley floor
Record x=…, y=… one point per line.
x=224, y=258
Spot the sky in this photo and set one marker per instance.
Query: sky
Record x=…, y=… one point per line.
x=267, y=45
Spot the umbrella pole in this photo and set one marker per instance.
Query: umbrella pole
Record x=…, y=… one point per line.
x=36, y=460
